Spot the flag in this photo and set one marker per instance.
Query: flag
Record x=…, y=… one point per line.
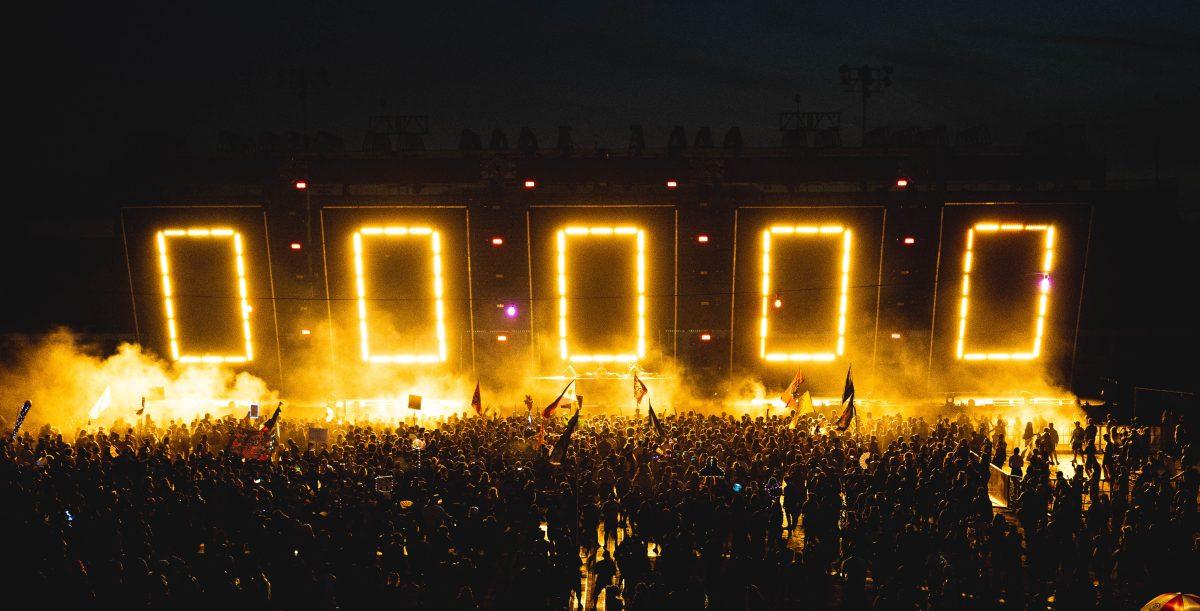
x=101, y=404
x=476, y=401
x=558, y=402
x=806, y=404
x=560, y=446
x=21, y=417
x=654, y=421
x=794, y=390
x=639, y=389
x=848, y=414
x=270, y=424
x=142, y=410
x=414, y=402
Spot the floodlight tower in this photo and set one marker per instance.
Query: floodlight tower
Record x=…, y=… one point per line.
x=865, y=80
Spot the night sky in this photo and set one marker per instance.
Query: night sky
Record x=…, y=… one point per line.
x=102, y=72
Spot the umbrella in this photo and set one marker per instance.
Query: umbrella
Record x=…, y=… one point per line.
x=1176, y=601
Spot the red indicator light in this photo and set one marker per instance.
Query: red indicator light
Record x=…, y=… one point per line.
x=529, y=184
x=901, y=182
x=301, y=185
x=702, y=238
x=671, y=184
x=296, y=246
x=704, y=337
x=497, y=241
x=910, y=241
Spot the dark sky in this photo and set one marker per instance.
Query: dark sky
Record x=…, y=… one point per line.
x=100, y=71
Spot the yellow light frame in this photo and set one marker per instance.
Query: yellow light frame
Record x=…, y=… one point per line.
x=439, y=309
x=836, y=231
x=1043, y=297
x=164, y=266
x=604, y=231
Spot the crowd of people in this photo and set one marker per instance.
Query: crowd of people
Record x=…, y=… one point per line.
x=721, y=512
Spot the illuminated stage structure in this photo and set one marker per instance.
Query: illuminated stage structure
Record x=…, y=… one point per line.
x=720, y=264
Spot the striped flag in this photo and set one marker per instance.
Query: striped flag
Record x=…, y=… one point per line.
x=559, y=402
x=477, y=401
x=21, y=417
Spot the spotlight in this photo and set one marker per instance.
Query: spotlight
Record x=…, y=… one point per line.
x=530, y=184
x=901, y=183
x=511, y=311
x=909, y=241
x=497, y=241
x=296, y=246
x=1045, y=283
x=671, y=184
x=702, y=238
x=301, y=185
x=778, y=301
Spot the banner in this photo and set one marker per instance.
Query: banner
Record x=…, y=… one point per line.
x=252, y=444
x=414, y=402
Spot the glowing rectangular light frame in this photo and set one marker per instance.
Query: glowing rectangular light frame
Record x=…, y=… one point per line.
x=164, y=267
x=360, y=283
x=837, y=231
x=561, y=248
x=1043, y=298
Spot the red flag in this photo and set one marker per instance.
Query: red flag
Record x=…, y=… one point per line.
x=557, y=403
x=476, y=401
x=639, y=389
x=794, y=390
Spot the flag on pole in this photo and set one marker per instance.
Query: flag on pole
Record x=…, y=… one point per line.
x=805, y=405
x=103, y=403
x=558, y=402
x=477, y=401
x=662, y=433
x=21, y=417
x=794, y=390
x=564, y=440
x=848, y=413
x=639, y=389
x=142, y=410
x=269, y=425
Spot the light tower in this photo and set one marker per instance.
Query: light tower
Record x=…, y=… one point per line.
x=865, y=80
